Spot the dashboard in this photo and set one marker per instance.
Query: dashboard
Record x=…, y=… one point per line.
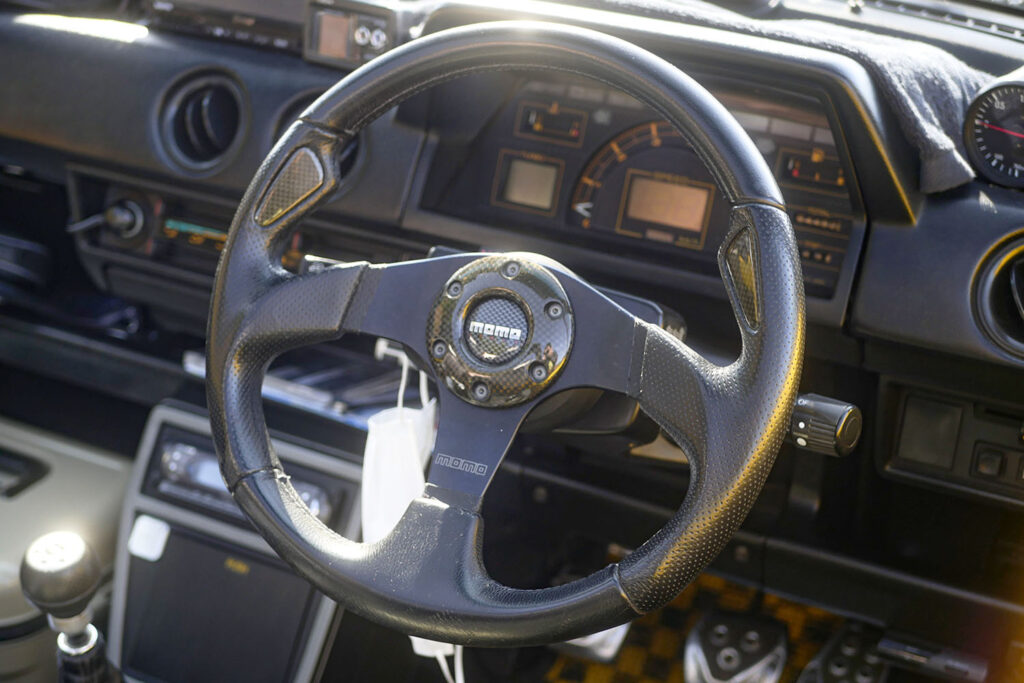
x=582, y=164
x=909, y=315
x=511, y=161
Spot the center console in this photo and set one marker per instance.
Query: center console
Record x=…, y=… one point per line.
x=192, y=576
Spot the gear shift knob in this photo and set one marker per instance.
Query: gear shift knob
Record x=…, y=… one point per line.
x=60, y=575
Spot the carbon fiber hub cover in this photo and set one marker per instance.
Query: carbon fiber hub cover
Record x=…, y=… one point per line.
x=500, y=330
x=496, y=330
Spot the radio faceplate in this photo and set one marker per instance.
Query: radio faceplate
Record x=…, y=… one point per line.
x=168, y=265
x=183, y=469
x=271, y=25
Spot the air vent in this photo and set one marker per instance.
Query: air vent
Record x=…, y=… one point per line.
x=202, y=121
x=999, y=296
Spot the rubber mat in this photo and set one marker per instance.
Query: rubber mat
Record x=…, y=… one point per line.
x=653, y=650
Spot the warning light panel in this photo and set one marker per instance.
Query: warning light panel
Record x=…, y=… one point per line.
x=551, y=122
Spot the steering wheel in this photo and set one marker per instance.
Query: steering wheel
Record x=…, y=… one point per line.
x=501, y=333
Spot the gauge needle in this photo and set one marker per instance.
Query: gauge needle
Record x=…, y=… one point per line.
x=1002, y=130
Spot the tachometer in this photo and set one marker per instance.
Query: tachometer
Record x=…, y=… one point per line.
x=646, y=183
x=994, y=134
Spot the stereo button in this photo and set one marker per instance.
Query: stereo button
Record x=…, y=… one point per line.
x=989, y=463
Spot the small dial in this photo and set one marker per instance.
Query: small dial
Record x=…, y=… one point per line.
x=994, y=135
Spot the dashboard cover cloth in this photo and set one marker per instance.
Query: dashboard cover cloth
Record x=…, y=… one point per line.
x=928, y=88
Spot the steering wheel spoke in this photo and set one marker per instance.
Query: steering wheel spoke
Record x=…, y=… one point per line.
x=297, y=310
x=675, y=387
x=395, y=300
x=470, y=445
x=607, y=340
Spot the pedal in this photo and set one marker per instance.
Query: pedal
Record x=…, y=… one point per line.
x=851, y=656
x=735, y=648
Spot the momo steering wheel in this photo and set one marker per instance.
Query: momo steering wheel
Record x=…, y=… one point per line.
x=500, y=333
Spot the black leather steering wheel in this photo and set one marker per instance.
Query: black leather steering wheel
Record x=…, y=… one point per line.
x=501, y=333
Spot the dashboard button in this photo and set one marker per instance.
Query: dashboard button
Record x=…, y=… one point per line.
x=378, y=39
x=362, y=36
x=989, y=463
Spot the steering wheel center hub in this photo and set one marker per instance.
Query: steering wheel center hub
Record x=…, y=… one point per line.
x=496, y=329
x=501, y=330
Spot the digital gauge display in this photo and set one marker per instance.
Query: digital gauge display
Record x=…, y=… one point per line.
x=631, y=187
x=994, y=134
x=666, y=201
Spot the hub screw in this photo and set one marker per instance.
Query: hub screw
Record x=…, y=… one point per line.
x=538, y=373
x=439, y=349
x=481, y=392
x=554, y=310
x=511, y=269
x=455, y=289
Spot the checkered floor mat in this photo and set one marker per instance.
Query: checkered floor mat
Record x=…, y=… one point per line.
x=653, y=651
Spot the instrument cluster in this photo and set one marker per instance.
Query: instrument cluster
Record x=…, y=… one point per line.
x=580, y=163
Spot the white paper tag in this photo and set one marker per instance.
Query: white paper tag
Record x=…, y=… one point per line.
x=603, y=645
x=398, y=444
x=148, y=538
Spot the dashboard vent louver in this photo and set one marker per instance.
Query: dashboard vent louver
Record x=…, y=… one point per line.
x=957, y=18
x=201, y=121
x=999, y=297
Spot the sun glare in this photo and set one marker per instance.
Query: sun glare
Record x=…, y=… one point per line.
x=120, y=31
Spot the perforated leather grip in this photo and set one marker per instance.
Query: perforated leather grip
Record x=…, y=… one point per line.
x=731, y=420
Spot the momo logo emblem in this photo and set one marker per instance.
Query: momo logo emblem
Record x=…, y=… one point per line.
x=461, y=464
x=498, y=331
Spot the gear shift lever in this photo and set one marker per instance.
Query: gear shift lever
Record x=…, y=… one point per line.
x=60, y=575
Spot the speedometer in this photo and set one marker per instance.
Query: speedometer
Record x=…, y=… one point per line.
x=646, y=183
x=994, y=134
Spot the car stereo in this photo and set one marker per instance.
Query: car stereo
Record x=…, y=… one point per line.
x=198, y=595
x=274, y=25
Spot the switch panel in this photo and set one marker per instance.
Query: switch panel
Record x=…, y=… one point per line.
x=348, y=34
x=967, y=444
